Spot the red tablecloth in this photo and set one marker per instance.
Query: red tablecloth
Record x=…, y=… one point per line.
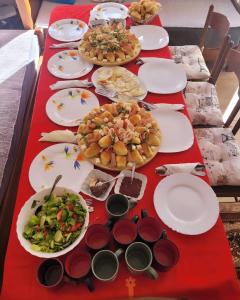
x=205, y=269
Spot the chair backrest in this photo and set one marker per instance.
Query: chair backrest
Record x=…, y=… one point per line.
x=221, y=58
x=216, y=21
x=233, y=65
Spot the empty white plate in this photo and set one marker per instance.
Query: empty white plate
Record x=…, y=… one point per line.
x=67, y=30
x=151, y=37
x=163, y=76
x=176, y=131
x=186, y=203
x=59, y=159
x=110, y=10
x=67, y=107
x=68, y=64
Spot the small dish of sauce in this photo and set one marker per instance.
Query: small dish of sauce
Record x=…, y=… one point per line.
x=130, y=187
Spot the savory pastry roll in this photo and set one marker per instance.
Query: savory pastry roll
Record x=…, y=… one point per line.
x=119, y=148
x=153, y=140
x=121, y=161
x=147, y=150
x=105, y=141
x=92, y=150
x=135, y=119
x=137, y=157
x=105, y=157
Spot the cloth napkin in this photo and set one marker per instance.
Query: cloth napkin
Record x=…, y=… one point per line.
x=192, y=168
x=143, y=60
x=70, y=84
x=168, y=106
x=59, y=136
x=65, y=45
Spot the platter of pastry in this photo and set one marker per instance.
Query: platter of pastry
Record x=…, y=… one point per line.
x=119, y=135
x=143, y=11
x=120, y=80
x=109, y=45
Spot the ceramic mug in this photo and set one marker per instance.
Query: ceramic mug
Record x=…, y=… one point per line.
x=77, y=267
x=149, y=229
x=166, y=254
x=125, y=231
x=50, y=273
x=117, y=205
x=97, y=237
x=105, y=264
x=138, y=257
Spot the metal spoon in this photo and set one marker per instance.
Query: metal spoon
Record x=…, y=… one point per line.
x=113, y=179
x=58, y=178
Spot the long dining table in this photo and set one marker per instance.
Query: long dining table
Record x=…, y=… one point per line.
x=205, y=269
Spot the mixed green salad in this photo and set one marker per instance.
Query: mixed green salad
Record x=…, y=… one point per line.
x=56, y=223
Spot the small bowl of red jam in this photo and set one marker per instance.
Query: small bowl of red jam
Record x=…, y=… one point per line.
x=133, y=188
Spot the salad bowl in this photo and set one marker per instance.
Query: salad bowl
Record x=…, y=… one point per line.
x=63, y=219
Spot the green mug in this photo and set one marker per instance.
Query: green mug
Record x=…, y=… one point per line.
x=138, y=257
x=105, y=264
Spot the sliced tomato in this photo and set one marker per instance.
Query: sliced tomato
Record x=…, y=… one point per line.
x=70, y=206
x=75, y=227
x=59, y=215
x=74, y=216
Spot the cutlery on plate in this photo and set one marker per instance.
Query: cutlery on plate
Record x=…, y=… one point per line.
x=64, y=84
x=192, y=168
x=148, y=106
x=70, y=45
x=113, y=179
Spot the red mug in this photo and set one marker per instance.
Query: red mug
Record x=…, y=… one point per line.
x=149, y=229
x=166, y=254
x=78, y=266
x=125, y=231
x=97, y=237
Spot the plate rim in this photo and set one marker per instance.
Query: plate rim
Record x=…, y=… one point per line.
x=163, y=92
x=213, y=198
x=88, y=69
x=47, y=106
x=155, y=26
x=50, y=32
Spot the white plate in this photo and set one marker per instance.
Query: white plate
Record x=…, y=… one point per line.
x=68, y=64
x=151, y=37
x=67, y=30
x=95, y=81
x=186, y=203
x=163, y=76
x=68, y=106
x=59, y=159
x=176, y=131
x=109, y=10
x=27, y=211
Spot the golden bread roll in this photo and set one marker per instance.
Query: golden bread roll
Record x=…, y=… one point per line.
x=135, y=119
x=98, y=120
x=153, y=140
x=121, y=161
x=136, y=140
x=140, y=129
x=105, y=157
x=137, y=157
x=92, y=150
x=107, y=115
x=147, y=150
x=105, y=141
x=119, y=148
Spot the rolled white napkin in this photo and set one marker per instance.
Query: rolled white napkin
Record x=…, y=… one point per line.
x=59, y=136
x=70, y=84
x=71, y=45
x=192, y=168
x=167, y=106
x=143, y=60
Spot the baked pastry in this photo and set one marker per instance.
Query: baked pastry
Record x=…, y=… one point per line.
x=119, y=79
x=109, y=45
x=142, y=12
x=116, y=136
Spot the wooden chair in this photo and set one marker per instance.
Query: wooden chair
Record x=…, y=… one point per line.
x=227, y=134
x=193, y=56
x=28, y=10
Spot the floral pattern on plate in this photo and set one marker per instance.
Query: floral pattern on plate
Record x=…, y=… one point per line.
x=67, y=107
x=58, y=159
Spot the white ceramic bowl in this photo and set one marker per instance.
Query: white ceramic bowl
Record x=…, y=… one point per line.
x=26, y=212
